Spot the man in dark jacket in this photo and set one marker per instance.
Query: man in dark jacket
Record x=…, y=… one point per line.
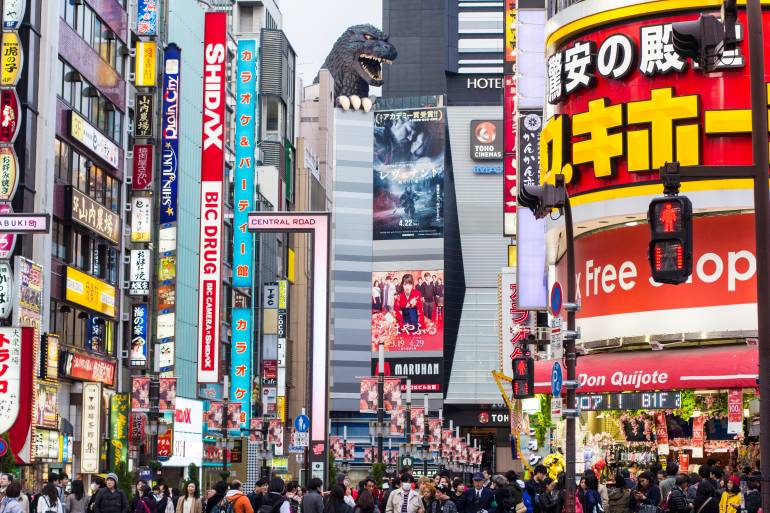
x=677, y=499
x=536, y=486
x=313, y=502
x=478, y=499
x=110, y=499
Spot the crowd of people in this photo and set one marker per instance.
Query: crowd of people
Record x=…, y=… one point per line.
x=713, y=489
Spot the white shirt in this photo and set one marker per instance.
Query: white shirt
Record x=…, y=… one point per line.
x=44, y=505
x=188, y=503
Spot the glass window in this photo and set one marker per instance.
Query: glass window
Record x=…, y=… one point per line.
x=59, y=248
x=97, y=39
x=88, y=22
x=67, y=86
x=69, y=12
x=114, y=206
x=79, y=12
x=112, y=266
x=118, y=126
x=271, y=117
x=97, y=192
x=60, y=76
x=77, y=97
x=104, y=48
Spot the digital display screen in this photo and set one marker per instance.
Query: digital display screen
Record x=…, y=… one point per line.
x=630, y=401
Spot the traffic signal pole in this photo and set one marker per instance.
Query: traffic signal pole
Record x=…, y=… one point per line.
x=570, y=353
x=758, y=172
x=762, y=225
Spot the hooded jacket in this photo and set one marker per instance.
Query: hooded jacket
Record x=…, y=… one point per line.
x=114, y=501
x=240, y=503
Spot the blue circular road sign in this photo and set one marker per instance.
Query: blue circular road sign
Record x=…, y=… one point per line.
x=556, y=379
x=302, y=423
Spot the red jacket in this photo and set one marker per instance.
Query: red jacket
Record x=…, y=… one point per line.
x=413, y=301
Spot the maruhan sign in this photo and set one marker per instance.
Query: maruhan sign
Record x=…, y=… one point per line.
x=188, y=434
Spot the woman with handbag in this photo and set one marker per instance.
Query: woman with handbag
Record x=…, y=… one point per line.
x=704, y=498
x=49, y=500
x=146, y=502
x=646, y=497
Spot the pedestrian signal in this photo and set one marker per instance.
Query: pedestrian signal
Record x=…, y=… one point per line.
x=670, y=251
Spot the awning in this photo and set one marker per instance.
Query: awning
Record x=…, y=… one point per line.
x=734, y=366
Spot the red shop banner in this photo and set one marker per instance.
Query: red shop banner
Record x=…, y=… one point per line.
x=669, y=369
x=212, y=173
x=613, y=273
x=87, y=368
x=626, y=103
x=141, y=178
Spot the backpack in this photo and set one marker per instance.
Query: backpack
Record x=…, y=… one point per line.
x=271, y=508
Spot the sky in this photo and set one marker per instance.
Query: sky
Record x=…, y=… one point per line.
x=314, y=25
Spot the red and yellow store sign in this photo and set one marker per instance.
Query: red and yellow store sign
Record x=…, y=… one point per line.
x=624, y=104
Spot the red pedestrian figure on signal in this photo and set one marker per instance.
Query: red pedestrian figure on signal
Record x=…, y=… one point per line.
x=668, y=217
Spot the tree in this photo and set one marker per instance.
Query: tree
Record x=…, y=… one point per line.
x=378, y=471
x=192, y=477
x=125, y=478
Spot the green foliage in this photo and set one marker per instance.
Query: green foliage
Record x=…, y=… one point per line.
x=224, y=475
x=542, y=419
x=688, y=404
x=332, y=470
x=125, y=478
x=378, y=471
x=8, y=461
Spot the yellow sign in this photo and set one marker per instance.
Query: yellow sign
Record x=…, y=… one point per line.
x=90, y=292
x=281, y=407
x=146, y=57
x=13, y=58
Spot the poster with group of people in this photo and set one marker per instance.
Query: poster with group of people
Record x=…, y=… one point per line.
x=409, y=173
x=391, y=395
x=408, y=310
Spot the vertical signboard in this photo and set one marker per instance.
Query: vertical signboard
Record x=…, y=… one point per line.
x=212, y=170
x=735, y=411
x=141, y=219
x=139, y=272
x=169, y=152
x=139, y=336
x=145, y=70
x=118, y=429
x=510, y=190
x=514, y=323
x=90, y=436
x=240, y=378
x=10, y=377
x=141, y=177
x=147, y=17
x=532, y=277
x=243, y=185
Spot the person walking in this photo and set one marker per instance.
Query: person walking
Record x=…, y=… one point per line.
x=646, y=497
x=405, y=499
x=536, y=486
x=677, y=498
x=10, y=502
x=237, y=501
x=313, y=502
x=732, y=498
x=705, y=502
x=110, y=499
x=191, y=502
x=294, y=496
x=77, y=500
x=590, y=499
x=146, y=502
x=49, y=500
x=428, y=497
x=478, y=499
x=549, y=499
x=97, y=484
x=364, y=502
x=275, y=500
x=619, y=495
x=335, y=502
x=667, y=484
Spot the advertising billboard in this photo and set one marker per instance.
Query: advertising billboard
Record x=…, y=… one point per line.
x=90, y=438
x=241, y=358
x=147, y=17
x=145, y=69
x=212, y=172
x=623, y=103
x=245, y=139
x=169, y=148
x=86, y=291
x=188, y=433
x=409, y=173
x=408, y=311
x=10, y=377
x=140, y=322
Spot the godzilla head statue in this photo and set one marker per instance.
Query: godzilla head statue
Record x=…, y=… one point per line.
x=355, y=63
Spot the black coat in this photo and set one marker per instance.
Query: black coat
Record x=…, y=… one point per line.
x=475, y=504
x=460, y=501
x=111, y=501
x=506, y=498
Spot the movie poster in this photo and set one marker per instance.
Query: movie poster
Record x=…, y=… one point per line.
x=397, y=421
x=255, y=429
x=434, y=434
x=409, y=173
x=417, y=421
x=275, y=435
x=392, y=394
x=166, y=394
x=337, y=448
x=368, y=401
x=408, y=310
x=214, y=416
x=45, y=404
x=140, y=393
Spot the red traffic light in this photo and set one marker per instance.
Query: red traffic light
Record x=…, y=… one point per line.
x=670, y=251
